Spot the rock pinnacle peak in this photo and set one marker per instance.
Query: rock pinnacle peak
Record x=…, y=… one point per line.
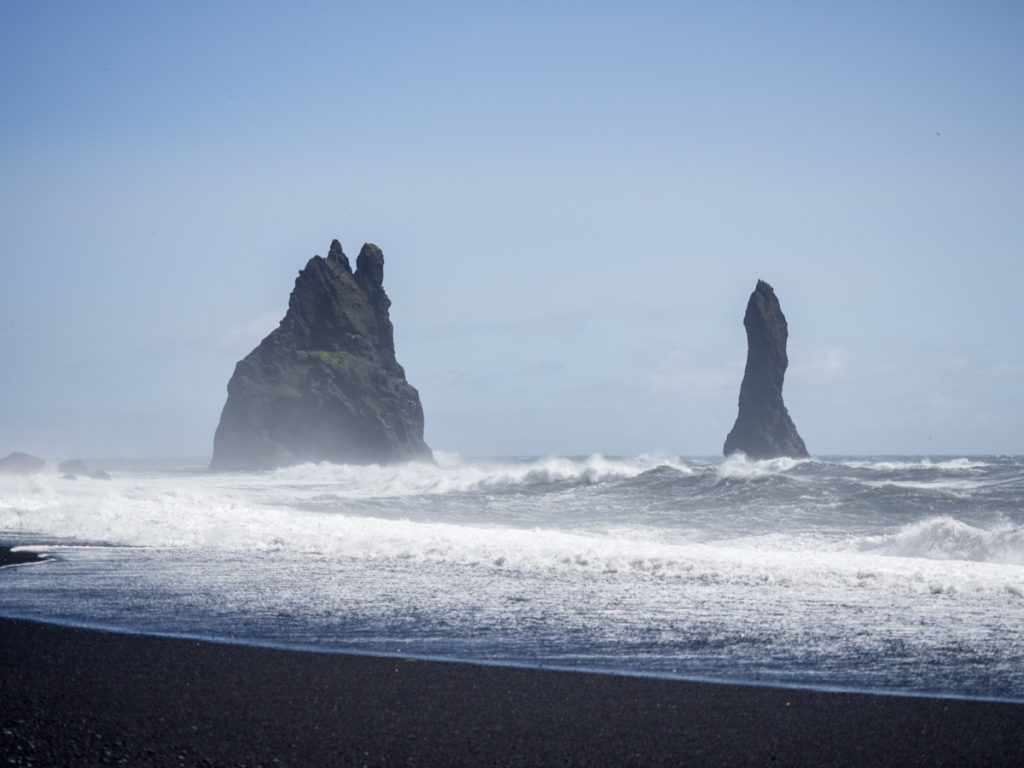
x=370, y=267
x=325, y=385
x=763, y=427
x=337, y=256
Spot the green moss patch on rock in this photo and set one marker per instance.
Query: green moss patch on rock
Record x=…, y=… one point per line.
x=338, y=358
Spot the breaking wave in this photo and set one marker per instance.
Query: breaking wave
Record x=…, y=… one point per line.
x=738, y=466
x=453, y=475
x=893, y=465
x=945, y=538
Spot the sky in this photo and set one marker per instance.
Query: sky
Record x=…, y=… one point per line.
x=574, y=201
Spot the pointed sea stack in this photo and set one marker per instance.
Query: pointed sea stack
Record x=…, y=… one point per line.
x=763, y=428
x=325, y=385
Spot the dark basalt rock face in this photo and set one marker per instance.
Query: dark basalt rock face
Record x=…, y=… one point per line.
x=763, y=428
x=21, y=464
x=325, y=385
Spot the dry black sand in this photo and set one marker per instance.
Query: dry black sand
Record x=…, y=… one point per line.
x=81, y=697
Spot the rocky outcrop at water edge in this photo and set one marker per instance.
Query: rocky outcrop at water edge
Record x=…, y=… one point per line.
x=325, y=385
x=21, y=464
x=763, y=428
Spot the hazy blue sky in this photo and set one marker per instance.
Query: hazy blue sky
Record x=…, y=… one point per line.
x=574, y=201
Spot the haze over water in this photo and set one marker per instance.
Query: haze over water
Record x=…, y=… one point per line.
x=574, y=203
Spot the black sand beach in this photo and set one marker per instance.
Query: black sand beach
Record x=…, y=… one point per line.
x=81, y=697
x=10, y=557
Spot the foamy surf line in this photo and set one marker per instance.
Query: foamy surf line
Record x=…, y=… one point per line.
x=87, y=696
x=911, y=559
x=11, y=556
x=495, y=616
x=583, y=669
x=890, y=575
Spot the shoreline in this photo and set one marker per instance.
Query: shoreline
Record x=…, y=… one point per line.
x=8, y=557
x=83, y=696
x=14, y=554
x=502, y=664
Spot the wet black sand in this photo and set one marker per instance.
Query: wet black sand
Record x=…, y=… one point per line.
x=82, y=697
x=10, y=557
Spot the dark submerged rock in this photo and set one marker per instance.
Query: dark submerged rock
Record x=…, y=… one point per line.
x=325, y=385
x=73, y=467
x=763, y=428
x=21, y=464
x=10, y=557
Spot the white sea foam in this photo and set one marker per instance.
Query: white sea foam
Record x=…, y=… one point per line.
x=951, y=465
x=951, y=485
x=739, y=466
x=945, y=538
x=452, y=475
x=27, y=493
x=207, y=513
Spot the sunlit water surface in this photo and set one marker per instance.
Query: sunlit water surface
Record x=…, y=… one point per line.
x=901, y=575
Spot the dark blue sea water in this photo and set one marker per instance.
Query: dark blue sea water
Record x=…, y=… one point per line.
x=894, y=574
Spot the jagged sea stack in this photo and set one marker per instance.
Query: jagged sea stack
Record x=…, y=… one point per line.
x=763, y=428
x=325, y=385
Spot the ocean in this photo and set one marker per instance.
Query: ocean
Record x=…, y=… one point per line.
x=900, y=575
